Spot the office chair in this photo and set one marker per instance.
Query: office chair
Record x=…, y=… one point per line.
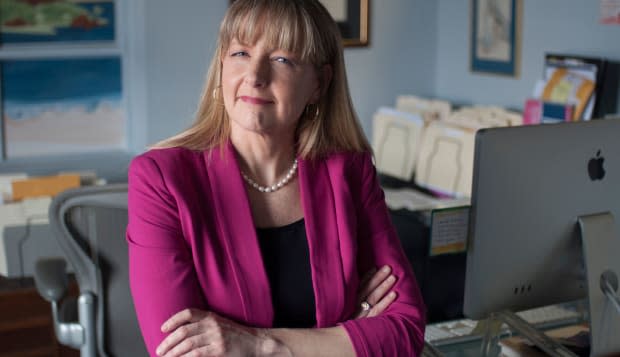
x=89, y=224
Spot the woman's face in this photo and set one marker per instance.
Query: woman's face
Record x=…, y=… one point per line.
x=266, y=90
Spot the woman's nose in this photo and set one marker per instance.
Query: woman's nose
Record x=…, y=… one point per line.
x=258, y=73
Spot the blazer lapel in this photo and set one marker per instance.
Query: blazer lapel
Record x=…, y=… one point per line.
x=323, y=240
x=236, y=228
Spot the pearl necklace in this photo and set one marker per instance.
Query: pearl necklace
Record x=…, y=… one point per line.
x=276, y=186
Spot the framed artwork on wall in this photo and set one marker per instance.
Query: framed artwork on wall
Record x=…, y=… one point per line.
x=27, y=22
x=61, y=78
x=495, y=38
x=352, y=19
x=62, y=105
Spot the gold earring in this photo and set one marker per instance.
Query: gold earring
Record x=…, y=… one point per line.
x=215, y=93
x=316, y=112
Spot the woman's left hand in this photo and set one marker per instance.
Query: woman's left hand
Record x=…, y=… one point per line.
x=204, y=333
x=375, y=293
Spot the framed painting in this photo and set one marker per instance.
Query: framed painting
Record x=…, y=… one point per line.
x=352, y=19
x=62, y=106
x=495, y=38
x=53, y=21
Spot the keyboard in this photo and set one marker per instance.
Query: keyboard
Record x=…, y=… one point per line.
x=458, y=331
x=451, y=332
x=414, y=200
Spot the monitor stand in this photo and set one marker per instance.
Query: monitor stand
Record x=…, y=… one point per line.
x=490, y=340
x=601, y=253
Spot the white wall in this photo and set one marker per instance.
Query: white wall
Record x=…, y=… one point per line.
x=554, y=26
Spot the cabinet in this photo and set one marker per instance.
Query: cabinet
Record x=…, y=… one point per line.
x=26, y=328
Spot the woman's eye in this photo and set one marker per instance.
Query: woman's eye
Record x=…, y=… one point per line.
x=239, y=54
x=283, y=60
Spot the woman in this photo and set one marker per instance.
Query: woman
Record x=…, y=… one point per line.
x=263, y=215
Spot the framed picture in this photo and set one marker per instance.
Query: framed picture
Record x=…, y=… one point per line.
x=62, y=105
x=495, y=27
x=28, y=22
x=62, y=78
x=352, y=19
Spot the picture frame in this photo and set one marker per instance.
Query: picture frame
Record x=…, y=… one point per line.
x=495, y=36
x=60, y=23
x=352, y=17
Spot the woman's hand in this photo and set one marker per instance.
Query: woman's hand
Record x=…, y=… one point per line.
x=205, y=333
x=374, y=295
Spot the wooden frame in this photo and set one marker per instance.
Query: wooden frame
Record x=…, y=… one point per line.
x=495, y=36
x=352, y=17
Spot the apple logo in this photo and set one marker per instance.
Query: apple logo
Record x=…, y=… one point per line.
x=595, y=167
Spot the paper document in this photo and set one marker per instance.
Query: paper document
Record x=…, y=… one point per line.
x=27, y=213
x=413, y=200
x=395, y=141
x=6, y=187
x=449, y=228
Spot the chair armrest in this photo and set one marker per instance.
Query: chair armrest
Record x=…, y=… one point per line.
x=51, y=278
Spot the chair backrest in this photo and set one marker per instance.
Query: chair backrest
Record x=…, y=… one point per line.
x=89, y=224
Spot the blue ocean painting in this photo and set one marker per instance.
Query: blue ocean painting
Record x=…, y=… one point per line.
x=62, y=105
x=24, y=21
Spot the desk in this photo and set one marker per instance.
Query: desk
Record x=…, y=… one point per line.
x=26, y=328
x=511, y=346
x=441, y=278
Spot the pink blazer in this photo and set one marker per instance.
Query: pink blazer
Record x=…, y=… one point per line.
x=192, y=243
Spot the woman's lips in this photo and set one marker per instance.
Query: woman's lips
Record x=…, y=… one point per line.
x=254, y=100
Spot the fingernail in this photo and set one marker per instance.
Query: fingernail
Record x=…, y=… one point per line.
x=386, y=269
x=391, y=278
x=164, y=328
x=158, y=351
x=392, y=294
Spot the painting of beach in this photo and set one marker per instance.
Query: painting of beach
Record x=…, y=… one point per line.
x=62, y=106
x=36, y=21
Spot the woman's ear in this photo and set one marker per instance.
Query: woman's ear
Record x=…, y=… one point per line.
x=324, y=76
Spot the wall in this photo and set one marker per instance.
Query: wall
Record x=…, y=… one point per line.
x=181, y=39
x=173, y=41
x=557, y=26
x=400, y=58
x=416, y=46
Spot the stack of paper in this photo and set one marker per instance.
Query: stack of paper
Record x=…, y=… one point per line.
x=429, y=109
x=44, y=186
x=21, y=218
x=6, y=185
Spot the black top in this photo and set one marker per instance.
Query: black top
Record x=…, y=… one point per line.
x=287, y=263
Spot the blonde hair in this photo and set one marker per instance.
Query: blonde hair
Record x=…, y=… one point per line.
x=303, y=27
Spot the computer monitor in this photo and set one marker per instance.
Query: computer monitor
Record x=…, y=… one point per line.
x=530, y=186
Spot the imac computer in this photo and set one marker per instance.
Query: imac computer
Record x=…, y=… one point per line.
x=544, y=223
